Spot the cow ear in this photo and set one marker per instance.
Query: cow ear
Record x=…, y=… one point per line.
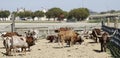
x=22, y=39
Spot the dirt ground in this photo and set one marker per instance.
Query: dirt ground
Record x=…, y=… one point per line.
x=43, y=49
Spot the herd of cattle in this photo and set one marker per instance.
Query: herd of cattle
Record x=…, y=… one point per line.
x=12, y=40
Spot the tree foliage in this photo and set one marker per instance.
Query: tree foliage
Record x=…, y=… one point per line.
x=39, y=13
x=4, y=14
x=63, y=15
x=54, y=13
x=24, y=14
x=79, y=14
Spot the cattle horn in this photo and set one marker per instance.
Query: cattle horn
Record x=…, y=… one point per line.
x=109, y=36
x=113, y=33
x=97, y=35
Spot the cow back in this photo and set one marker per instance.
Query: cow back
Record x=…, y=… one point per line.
x=96, y=32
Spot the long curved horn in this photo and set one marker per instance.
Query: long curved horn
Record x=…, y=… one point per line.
x=109, y=35
x=96, y=34
x=113, y=33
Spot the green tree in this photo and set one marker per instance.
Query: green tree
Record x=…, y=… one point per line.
x=48, y=14
x=28, y=14
x=21, y=14
x=63, y=15
x=54, y=13
x=38, y=14
x=25, y=14
x=15, y=13
x=79, y=14
x=4, y=14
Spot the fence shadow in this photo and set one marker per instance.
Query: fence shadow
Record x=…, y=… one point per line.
x=3, y=53
x=61, y=47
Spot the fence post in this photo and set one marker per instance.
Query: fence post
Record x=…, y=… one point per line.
x=48, y=31
x=13, y=23
x=108, y=21
x=116, y=22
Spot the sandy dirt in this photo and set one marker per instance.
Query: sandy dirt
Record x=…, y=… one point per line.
x=43, y=49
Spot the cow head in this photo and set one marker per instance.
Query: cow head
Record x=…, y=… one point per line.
x=105, y=37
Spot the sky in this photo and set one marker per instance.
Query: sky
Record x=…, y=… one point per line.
x=67, y=5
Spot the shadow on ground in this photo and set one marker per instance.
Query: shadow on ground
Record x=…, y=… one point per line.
x=2, y=47
x=61, y=47
x=91, y=42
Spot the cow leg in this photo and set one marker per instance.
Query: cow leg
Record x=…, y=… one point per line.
x=72, y=41
x=56, y=40
x=51, y=40
x=59, y=41
x=96, y=39
x=62, y=43
x=24, y=50
x=14, y=50
x=68, y=43
x=101, y=47
x=4, y=43
x=105, y=47
x=8, y=51
x=80, y=42
x=29, y=48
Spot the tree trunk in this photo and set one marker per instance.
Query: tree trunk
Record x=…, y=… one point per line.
x=54, y=19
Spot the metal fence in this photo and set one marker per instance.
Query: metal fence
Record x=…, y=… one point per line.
x=116, y=38
x=42, y=31
x=49, y=30
x=114, y=44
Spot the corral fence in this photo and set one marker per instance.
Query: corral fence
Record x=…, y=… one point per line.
x=42, y=31
x=48, y=30
x=114, y=44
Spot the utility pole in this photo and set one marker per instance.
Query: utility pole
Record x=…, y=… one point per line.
x=13, y=23
x=82, y=4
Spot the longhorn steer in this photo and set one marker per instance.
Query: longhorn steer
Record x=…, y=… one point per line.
x=66, y=34
x=104, y=40
x=14, y=42
x=96, y=33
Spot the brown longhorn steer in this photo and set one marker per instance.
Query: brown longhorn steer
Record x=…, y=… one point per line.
x=68, y=35
x=95, y=33
x=104, y=40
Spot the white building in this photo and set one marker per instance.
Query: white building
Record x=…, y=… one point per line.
x=20, y=10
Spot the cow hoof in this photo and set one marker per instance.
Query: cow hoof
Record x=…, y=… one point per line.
x=29, y=50
x=101, y=50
